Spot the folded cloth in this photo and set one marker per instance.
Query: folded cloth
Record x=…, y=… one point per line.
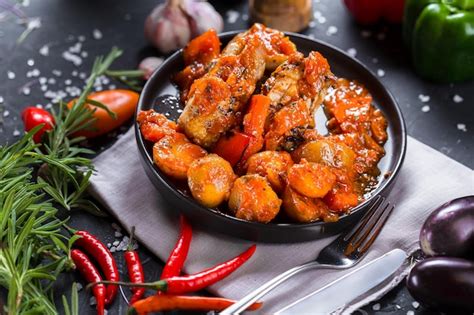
x=427, y=179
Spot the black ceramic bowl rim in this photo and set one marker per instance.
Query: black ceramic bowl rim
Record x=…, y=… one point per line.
x=281, y=226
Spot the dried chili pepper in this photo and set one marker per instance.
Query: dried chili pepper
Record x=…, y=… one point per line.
x=197, y=281
x=90, y=273
x=175, y=261
x=164, y=302
x=92, y=246
x=135, y=270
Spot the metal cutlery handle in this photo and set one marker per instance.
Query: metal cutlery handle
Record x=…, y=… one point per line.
x=253, y=296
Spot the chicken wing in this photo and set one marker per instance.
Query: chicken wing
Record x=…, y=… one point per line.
x=296, y=89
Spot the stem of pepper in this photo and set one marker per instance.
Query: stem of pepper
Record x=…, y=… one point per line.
x=160, y=285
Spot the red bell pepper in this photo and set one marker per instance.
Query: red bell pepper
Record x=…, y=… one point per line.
x=232, y=147
x=371, y=11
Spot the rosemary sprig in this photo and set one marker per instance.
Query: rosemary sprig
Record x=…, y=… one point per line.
x=67, y=172
x=131, y=78
x=33, y=251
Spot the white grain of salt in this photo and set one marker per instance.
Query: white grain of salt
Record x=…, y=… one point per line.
x=232, y=16
x=97, y=34
x=376, y=307
x=415, y=304
x=44, y=51
x=11, y=75
x=424, y=98
x=30, y=62
x=425, y=109
x=380, y=72
x=352, y=52
x=462, y=127
x=457, y=98
x=332, y=30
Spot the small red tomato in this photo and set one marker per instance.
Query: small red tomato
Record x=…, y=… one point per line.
x=33, y=116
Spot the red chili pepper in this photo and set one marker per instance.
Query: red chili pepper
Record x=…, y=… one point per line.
x=33, y=116
x=164, y=302
x=103, y=256
x=135, y=271
x=371, y=11
x=87, y=269
x=197, y=281
x=232, y=148
x=177, y=257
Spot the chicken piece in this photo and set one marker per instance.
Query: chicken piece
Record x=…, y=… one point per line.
x=313, y=180
x=287, y=127
x=213, y=106
x=299, y=78
x=277, y=46
x=301, y=208
x=272, y=165
x=198, y=56
x=155, y=126
x=173, y=154
x=210, y=179
x=252, y=199
x=296, y=88
x=326, y=152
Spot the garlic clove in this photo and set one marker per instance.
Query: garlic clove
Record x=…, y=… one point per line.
x=202, y=16
x=149, y=65
x=167, y=27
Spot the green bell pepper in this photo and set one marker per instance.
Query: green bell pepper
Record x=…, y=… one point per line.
x=440, y=36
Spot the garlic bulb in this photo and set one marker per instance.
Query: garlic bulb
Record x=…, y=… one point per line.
x=173, y=24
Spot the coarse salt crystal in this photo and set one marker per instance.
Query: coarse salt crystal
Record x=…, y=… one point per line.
x=11, y=75
x=84, y=54
x=462, y=127
x=115, y=243
x=48, y=106
x=117, y=234
x=332, y=30
x=113, y=249
x=112, y=87
x=380, y=72
x=232, y=16
x=79, y=286
x=322, y=20
x=109, y=245
x=75, y=59
x=376, y=307
x=16, y=133
x=352, y=52
x=35, y=73
x=245, y=17
x=26, y=90
x=82, y=75
x=44, y=88
x=410, y=313
x=44, y=51
x=76, y=48
x=39, y=106
x=92, y=301
x=415, y=304
x=1, y=99
x=312, y=24
x=30, y=62
x=56, y=72
x=398, y=306
x=51, y=81
x=424, y=98
x=81, y=38
x=74, y=73
x=6, y=113
x=457, y=98
x=425, y=109
x=96, y=34
x=42, y=80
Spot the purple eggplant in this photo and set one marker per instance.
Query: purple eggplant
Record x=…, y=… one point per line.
x=449, y=230
x=444, y=283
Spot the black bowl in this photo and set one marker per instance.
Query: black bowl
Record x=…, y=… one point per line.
x=159, y=93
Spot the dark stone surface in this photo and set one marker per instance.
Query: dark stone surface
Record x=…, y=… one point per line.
x=121, y=24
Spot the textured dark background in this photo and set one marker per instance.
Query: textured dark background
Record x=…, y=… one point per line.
x=121, y=24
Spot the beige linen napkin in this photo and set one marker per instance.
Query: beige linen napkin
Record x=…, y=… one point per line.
x=428, y=178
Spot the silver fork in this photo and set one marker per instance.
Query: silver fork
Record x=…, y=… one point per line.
x=344, y=252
